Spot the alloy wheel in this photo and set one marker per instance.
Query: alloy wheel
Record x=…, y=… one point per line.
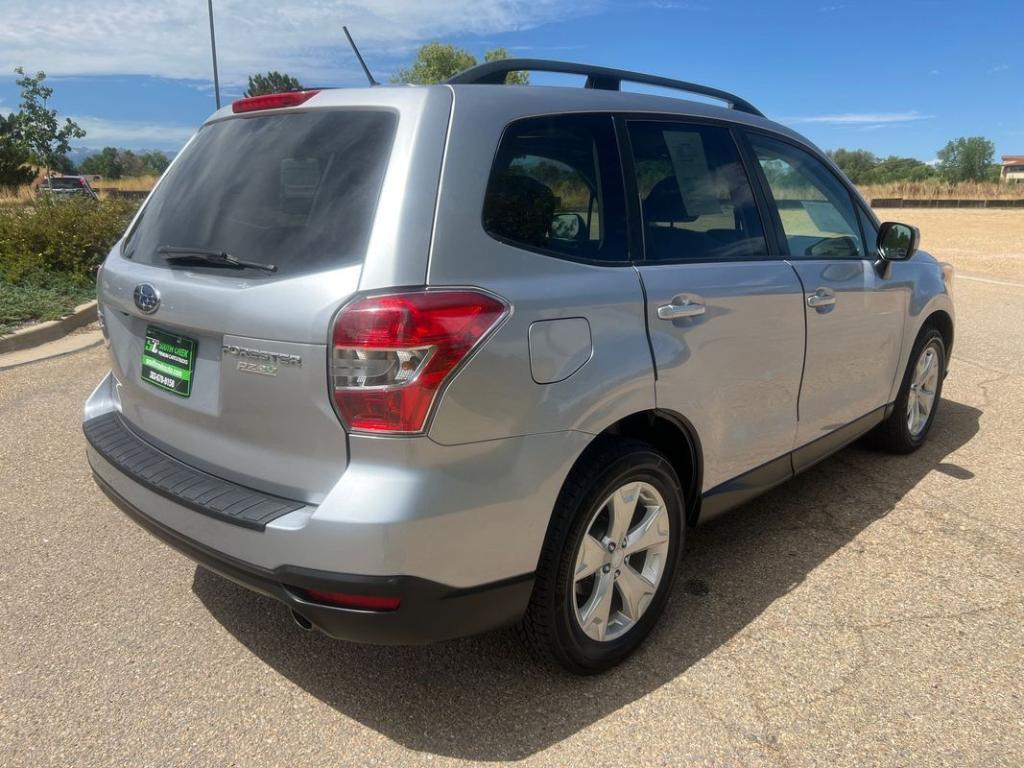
x=923, y=386
x=620, y=561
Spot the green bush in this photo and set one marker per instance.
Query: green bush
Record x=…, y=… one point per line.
x=41, y=296
x=64, y=237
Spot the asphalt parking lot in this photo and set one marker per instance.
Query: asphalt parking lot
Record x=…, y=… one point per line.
x=870, y=612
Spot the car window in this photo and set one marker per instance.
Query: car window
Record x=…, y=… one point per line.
x=556, y=186
x=695, y=198
x=869, y=229
x=817, y=214
x=298, y=190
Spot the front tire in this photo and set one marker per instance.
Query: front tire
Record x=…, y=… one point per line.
x=609, y=560
x=918, y=400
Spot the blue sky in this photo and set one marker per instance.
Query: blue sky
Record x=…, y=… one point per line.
x=897, y=77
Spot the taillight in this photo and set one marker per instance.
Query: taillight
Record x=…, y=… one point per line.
x=358, y=602
x=273, y=101
x=392, y=354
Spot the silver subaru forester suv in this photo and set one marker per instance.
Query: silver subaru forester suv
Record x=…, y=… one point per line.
x=421, y=362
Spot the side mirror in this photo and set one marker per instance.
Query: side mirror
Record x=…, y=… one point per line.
x=897, y=242
x=568, y=226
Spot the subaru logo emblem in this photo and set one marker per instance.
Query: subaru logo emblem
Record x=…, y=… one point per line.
x=147, y=298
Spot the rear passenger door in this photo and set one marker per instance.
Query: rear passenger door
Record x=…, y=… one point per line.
x=854, y=315
x=725, y=313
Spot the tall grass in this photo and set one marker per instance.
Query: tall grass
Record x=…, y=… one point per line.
x=26, y=195
x=132, y=184
x=934, y=189
x=16, y=196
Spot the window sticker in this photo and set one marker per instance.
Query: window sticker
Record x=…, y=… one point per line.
x=692, y=172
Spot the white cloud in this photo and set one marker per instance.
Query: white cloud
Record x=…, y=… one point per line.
x=860, y=118
x=1000, y=68
x=304, y=37
x=136, y=135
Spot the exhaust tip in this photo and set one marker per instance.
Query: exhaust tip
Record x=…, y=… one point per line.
x=303, y=623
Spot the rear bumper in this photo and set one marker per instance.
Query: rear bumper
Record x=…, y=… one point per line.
x=454, y=531
x=428, y=611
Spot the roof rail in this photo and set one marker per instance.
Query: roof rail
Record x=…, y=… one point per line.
x=603, y=78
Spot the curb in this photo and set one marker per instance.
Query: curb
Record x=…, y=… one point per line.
x=51, y=330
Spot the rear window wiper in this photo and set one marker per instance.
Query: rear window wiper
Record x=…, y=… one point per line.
x=174, y=255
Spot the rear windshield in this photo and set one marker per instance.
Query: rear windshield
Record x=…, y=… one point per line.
x=295, y=190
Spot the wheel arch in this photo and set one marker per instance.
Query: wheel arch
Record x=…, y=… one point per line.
x=941, y=321
x=672, y=434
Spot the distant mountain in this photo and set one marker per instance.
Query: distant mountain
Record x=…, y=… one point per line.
x=78, y=154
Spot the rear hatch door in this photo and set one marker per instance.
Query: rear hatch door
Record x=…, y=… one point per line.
x=225, y=366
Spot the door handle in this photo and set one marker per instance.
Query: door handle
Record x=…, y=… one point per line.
x=682, y=306
x=822, y=298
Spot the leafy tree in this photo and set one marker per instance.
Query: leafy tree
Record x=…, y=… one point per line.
x=895, y=168
x=512, y=78
x=863, y=167
x=437, y=62
x=272, y=82
x=966, y=159
x=857, y=164
x=63, y=164
x=14, y=168
x=46, y=140
x=154, y=162
x=114, y=163
x=106, y=163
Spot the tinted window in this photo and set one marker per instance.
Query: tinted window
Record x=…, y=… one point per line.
x=556, y=186
x=817, y=213
x=296, y=190
x=869, y=229
x=694, y=194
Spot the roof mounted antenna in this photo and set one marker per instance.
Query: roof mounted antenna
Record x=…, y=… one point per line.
x=360, y=57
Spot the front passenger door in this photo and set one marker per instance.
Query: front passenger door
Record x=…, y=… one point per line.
x=854, y=315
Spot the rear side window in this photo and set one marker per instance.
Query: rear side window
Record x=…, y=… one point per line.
x=556, y=186
x=817, y=213
x=695, y=198
x=296, y=190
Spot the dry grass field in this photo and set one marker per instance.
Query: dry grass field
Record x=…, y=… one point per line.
x=26, y=195
x=987, y=242
x=937, y=190
x=19, y=196
x=133, y=184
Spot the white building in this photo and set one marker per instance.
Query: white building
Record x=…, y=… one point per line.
x=1013, y=168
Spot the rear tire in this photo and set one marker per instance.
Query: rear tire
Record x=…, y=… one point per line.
x=918, y=400
x=609, y=560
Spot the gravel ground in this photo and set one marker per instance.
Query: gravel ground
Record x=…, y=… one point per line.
x=870, y=612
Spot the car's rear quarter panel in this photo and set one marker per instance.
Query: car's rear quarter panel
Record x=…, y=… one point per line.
x=494, y=395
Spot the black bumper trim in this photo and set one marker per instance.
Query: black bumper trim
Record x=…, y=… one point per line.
x=200, y=491
x=429, y=611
